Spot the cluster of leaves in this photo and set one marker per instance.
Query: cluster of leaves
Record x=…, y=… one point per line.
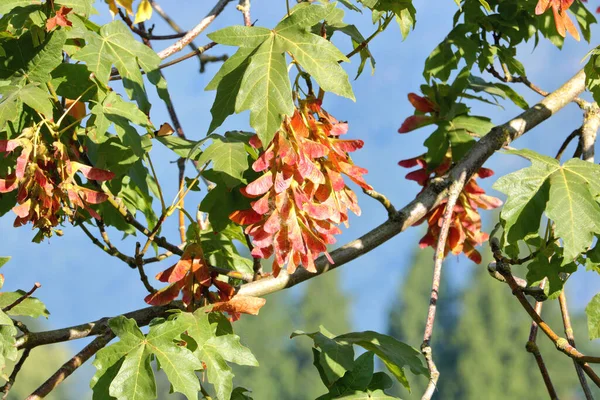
x=302, y=196
x=181, y=345
x=488, y=31
x=348, y=378
x=568, y=196
x=29, y=307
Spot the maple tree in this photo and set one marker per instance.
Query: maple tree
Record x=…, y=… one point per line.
x=75, y=152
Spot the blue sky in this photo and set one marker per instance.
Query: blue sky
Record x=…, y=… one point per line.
x=81, y=283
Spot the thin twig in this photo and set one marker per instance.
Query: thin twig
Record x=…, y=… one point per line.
x=524, y=80
x=438, y=258
x=13, y=375
x=533, y=348
x=533, y=291
x=389, y=207
x=144, y=34
x=565, y=144
x=364, y=44
x=139, y=262
x=108, y=248
x=70, y=366
x=114, y=73
x=564, y=310
x=193, y=33
x=18, y=301
x=129, y=218
x=177, y=29
x=181, y=204
x=256, y=265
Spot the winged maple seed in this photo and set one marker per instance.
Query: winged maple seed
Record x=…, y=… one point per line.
x=561, y=17
x=44, y=177
x=192, y=277
x=301, y=197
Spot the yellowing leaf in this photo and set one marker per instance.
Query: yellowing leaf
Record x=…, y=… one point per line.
x=144, y=12
x=126, y=4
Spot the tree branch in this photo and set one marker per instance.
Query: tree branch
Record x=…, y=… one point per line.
x=143, y=317
x=193, y=33
x=70, y=366
x=244, y=8
x=178, y=29
x=589, y=130
x=114, y=74
x=561, y=344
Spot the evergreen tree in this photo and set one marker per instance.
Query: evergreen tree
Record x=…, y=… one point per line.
x=489, y=342
x=42, y=362
x=407, y=318
x=286, y=370
x=482, y=355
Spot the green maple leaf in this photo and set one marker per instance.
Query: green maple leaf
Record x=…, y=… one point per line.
x=26, y=61
x=543, y=267
x=7, y=5
x=256, y=78
x=228, y=156
x=394, y=354
x=115, y=45
x=124, y=370
x=115, y=110
x=31, y=306
x=334, y=358
x=215, y=347
x=567, y=194
x=13, y=98
x=593, y=315
x=8, y=350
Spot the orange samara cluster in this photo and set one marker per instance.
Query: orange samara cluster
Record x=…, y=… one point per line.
x=465, y=228
x=301, y=196
x=44, y=177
